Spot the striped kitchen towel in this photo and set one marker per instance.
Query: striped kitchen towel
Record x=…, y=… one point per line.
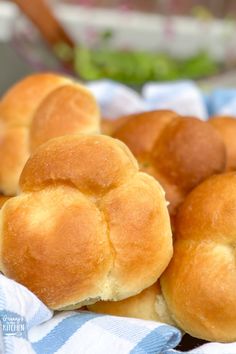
x=29, y=327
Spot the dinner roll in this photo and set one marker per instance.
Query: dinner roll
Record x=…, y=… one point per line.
x=37, y=108
x=147, y=305
x=180, y=152
x=199, y=285
x=87, y=226
x=21, y=101
x=226, y=126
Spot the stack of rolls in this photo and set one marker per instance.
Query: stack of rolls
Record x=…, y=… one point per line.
x=197, y=288
x=91, y=224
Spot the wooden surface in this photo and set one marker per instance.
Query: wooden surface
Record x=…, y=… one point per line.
x=40, y=14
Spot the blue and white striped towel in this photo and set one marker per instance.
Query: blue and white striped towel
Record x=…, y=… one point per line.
x=29, y=327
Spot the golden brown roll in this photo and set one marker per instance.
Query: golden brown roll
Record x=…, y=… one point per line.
x=85, y=225
x=147, y=305
x=40, y=107
x=199, y=285
x=21, y=100
x=180, y=152
x=226, y=126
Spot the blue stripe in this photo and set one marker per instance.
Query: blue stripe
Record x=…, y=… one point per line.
x=57, y=337
x=160, y=339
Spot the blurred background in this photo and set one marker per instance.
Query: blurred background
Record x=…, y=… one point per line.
x=167, y=7
x=131, y=41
